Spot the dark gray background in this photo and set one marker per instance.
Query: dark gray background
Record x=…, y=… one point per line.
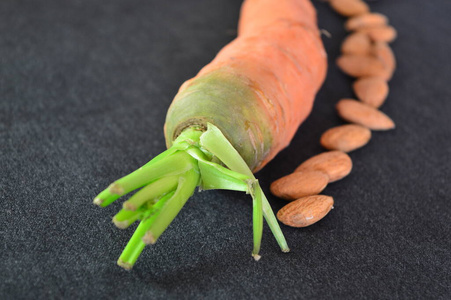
x=84, y=87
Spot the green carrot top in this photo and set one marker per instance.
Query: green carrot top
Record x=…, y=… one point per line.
x=196, y=158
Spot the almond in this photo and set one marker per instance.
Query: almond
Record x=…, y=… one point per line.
x=305, y=211
x=336, y=164
x=383, y=52
x=349, y=8
x=371, y=90
x=363, y=114
x=299, y=184
x=346, y=138
x=366, y=20
x=380, y=33
x=356, y=43
x=361, y=65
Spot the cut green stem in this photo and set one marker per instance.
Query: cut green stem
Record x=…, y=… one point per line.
x=136, y=245
x=214, y=178
x=168, y=181
x=175, y=164
x=162, y=218
x=105, y=198
x=151, y=192
x=257, y=217
x=134, y=248
x=216, y=143
x=124, y=218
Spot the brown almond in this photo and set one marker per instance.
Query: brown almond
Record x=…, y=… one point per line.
x=345, y=138
x=366, y=20
x=383, y=52
x=349, y=8
x=305, y=211
x=356, y=43
x=336, y=164
x=371, y=90
x=363, y=114
x=360, y=65
x=299, y=184
x=380, y=33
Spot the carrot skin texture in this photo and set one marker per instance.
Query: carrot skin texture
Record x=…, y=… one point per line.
x=262, y=85
x=220, y=98
x=257, y=14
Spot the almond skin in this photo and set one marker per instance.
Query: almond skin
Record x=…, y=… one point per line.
x=380, y=33
x=371, y=90
x=345, y=138
x=305, y=211
x=356, y=43
x=299, y=184
x=349, y=8
x=366, y=20
x=336, y=164
x=360, y=113
x=383, y=52
x=361, y=65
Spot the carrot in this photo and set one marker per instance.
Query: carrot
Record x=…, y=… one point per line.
x=228, y=122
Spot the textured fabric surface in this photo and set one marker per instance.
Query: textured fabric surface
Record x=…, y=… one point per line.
x=84, y=87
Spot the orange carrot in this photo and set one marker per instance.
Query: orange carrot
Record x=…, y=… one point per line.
x=239, y=112
x=278, y=58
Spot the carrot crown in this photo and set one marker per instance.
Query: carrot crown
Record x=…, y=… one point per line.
x=196, y=158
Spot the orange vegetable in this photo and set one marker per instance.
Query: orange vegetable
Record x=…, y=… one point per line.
x=239, y=112
x=277, y=62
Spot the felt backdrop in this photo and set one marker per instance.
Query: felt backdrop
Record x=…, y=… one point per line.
x=84, y=87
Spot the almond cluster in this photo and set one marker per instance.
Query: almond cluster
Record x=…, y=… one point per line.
x=367, y=57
